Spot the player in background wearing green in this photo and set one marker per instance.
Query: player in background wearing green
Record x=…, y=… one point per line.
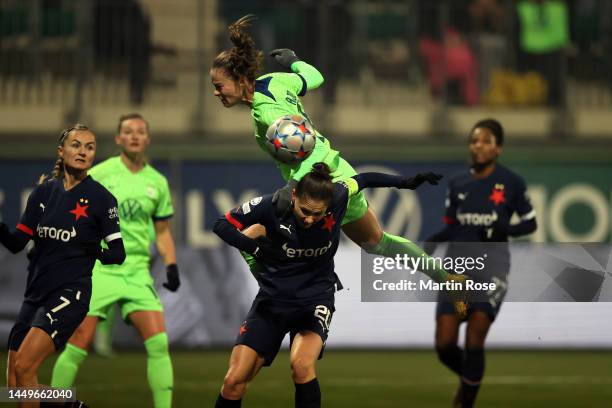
x=233, y=74
x=143, y=194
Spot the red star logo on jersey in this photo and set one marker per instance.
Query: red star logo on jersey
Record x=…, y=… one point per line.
x=243, y=329
x=498, y=196
x=328, y=222
x=80, y=211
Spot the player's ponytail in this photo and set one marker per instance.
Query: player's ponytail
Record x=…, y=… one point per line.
x=316, y=185
x=243, y=60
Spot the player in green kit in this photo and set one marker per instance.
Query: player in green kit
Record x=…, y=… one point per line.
x=143, y=195
x=233, y=74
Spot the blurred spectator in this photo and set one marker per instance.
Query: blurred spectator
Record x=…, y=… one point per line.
x=488, y=34
x=590, y=33
x=122, y=36
x=544, y=31
x=450, y=63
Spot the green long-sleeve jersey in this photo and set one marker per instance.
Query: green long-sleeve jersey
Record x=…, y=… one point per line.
x=278, y=94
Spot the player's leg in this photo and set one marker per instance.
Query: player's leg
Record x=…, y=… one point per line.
x=11, y=378
x=447, y=333
x=103, y=340
x=106, y=289
x=368, y=234
x=151, y=327
x=67, y=364
x=34, y=349
x=244, y=364
x=478, y=326
x=305, y=350
x=18, y=332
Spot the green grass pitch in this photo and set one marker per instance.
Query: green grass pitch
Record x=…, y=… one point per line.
x=359, y=379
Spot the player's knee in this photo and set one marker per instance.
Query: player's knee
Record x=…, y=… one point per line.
x=24, y=367
x=157, y=345
x=445, y=352
x=81, y=338
x=302, y=370
x=234, y=386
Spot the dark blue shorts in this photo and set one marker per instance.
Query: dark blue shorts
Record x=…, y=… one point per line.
x=268, y=322
x=58, y=314
x=443, y=308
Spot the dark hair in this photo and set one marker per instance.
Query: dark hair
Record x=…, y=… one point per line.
x=494, y=126
x=129, y=116
x=317, y=184
x=58, y=168
x=243, y=60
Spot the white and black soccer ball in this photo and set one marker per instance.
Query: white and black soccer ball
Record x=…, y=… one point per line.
x=290, y=139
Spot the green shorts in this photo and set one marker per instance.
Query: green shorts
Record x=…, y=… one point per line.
x=341, y=169
x=133, y=293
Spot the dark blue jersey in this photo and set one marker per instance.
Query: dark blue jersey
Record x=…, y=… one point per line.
x=476, y=205
x=67, y=227
x=307, y=272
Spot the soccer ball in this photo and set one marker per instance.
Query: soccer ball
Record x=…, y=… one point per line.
x=290, y=139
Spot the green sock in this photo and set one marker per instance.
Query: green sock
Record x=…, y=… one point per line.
x=67, y=365
x=391, y=245
x=159, y=370
x=103, y=342
x=254, y=266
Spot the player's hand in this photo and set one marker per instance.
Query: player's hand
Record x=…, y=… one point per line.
x=284, y=56
x=172, y=278
x=413, y=182
x=497, y=232
x=267, y=252
x=282, y=199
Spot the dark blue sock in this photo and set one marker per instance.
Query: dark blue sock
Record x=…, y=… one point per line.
x=225, y=403
x=308, y=395
x=452, y=357
x=473, y=371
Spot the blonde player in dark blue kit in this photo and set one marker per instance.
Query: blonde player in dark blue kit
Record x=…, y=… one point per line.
x=67, y=216
x=297, y=280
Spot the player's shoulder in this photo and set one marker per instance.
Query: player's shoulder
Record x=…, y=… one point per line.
x=259, y=204
x=47, y=185
x=509, y=176
x=460, y=178
x=275, y=85
x=105, y=165
x=155, y=175
x=99, y=190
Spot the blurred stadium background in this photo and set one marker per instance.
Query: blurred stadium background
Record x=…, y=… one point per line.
x=405, y=81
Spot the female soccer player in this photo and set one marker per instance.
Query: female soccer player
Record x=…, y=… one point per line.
x=143, y=195
x=271, y=96
x=297, y=280
x=490, y=192
x=66, y=216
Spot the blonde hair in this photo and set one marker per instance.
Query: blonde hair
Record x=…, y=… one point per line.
x=58, y=168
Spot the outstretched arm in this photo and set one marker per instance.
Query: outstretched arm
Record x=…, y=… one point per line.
x=373, y=180
x=288, y=59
